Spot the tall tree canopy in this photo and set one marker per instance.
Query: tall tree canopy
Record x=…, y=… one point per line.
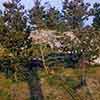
x=36, y=15
x=14, y=20
x=15, y=16
x=43, y=18
x=75, y=12
x=96, y=20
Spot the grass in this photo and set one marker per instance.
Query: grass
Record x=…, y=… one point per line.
x=5, y=85
x=72, y=83
x=4, y=95
x=55, y=83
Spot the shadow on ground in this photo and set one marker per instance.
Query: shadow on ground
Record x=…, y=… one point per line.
x=34, y=85
x=33, y=80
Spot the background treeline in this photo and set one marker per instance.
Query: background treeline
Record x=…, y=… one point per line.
x=16, y=23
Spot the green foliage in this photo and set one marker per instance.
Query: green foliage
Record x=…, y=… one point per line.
x=55, y=59
x=45, y=19
x=2, y=25
x=75, y=12
x=96, y=20
x=89, y=43
x=53, y=15
x=15, y=38
x=36, y=15
x=14, y=16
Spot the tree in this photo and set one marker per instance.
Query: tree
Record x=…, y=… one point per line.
x=86, y=45
x=15, y=16
x=83, y=43
x=96, y=14
x=36, y=15
x=15, y=38
x=41, y=19
x=15, y=20
x=36, y=21
x=75, y=12
x=53, y=15
x=90, y=48
x=1, y=22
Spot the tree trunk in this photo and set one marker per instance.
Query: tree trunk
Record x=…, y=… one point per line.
x=43, y=59
x=83, y=71
x=15, y=74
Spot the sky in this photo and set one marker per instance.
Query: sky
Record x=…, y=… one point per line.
x=57, y=3
x=29, y=3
